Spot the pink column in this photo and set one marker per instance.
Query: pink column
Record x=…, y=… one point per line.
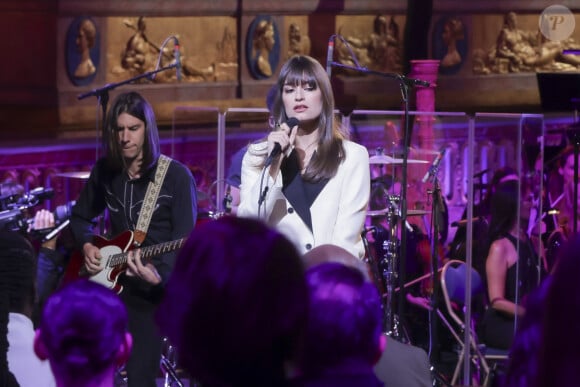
x=425, y=69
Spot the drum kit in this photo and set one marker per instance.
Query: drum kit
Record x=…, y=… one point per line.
x=386, y=213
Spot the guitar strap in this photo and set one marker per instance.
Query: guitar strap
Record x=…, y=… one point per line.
x=150, y=200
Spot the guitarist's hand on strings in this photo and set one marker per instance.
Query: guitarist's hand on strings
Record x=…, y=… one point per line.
x=92, y=258
x=147, y=273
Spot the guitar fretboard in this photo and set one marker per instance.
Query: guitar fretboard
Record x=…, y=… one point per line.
x=147, y=252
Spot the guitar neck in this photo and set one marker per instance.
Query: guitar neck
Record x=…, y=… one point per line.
x=120, y=260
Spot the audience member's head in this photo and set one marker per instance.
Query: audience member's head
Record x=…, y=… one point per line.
x=333, y=253
x=345, y=320
x=559, y=356
x=83, y=333
x=235, y=306
x=17, y=289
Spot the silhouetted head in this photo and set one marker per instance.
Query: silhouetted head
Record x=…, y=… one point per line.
x=235, y=305
x=83, y=332
x=18, y=271
x=332, y=253
x=345, y=320
x=559, y=356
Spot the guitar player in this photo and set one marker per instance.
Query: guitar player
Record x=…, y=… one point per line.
x=118, y=183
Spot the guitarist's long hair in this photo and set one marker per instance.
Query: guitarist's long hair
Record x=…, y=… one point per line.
x=135, y=105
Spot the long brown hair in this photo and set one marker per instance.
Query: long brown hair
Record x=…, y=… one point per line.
x=133, y=104
x=300, y=70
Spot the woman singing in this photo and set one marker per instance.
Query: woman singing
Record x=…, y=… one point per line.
x=316, y=190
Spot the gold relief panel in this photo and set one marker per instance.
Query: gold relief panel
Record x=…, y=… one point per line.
x=207, y=46
x=296, y=39
x=514, y=43
x=371, y=41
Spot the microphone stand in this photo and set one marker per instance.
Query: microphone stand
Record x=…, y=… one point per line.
x=405, y=84
x=102, y=94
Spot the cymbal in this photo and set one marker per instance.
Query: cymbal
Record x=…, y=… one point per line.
x=74, y=175
x=384, y=159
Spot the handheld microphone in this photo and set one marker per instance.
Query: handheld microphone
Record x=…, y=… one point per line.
x=329, y=54
x=177, y=55
x=433, y=168
x=292, y=122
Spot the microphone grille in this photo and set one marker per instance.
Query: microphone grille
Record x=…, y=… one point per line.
x=293, y=121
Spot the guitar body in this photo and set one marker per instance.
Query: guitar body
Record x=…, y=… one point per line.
x=110, y=273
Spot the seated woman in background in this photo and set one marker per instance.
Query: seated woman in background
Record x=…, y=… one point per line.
x=511, y=265
x=481, y=218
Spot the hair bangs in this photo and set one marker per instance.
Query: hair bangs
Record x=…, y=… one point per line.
x=303, y=73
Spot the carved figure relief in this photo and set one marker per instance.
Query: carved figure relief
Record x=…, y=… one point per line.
x=140, y=55
x=380, y=51
x=82, y=51
x=262, y=47
x=298, y=43
x=449, y=44
x=519, y=50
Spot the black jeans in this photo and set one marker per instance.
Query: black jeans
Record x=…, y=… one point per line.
x=143, y=365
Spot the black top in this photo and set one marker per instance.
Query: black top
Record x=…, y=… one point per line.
x=173, y=218
x=300, y=193
x=527, y=278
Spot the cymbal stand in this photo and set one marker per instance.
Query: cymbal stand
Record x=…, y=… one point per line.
x=390, y=267
x=168, y=366
x=436, y=211
x=405, y=84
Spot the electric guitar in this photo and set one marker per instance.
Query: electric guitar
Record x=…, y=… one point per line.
x=114, y=259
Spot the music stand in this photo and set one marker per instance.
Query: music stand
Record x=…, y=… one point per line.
x=558, y=91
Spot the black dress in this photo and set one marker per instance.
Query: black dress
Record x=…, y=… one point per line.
x=498, y=328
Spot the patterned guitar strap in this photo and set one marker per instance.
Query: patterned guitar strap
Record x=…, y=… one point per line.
x=150, y=200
